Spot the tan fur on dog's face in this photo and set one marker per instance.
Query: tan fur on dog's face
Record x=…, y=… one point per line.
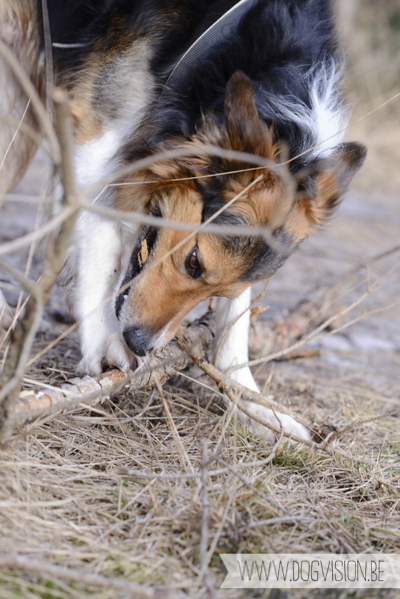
x=162, y=291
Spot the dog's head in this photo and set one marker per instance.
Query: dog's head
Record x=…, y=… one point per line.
x=171, y=271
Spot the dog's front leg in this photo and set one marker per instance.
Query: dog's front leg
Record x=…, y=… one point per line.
x=99, y=248
x=231, y=348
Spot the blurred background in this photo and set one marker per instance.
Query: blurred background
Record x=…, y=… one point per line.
x=370, y=32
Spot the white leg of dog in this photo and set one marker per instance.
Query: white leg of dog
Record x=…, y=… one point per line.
x=96, y=256
x=98, y=273
x=234, y=350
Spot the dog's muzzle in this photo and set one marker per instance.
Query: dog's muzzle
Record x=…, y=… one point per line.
x=139, y=340
x=140, y=255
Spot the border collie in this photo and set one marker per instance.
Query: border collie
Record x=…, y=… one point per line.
x=148, y=76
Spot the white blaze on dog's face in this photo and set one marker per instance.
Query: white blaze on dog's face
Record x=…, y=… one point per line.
x=171, y=271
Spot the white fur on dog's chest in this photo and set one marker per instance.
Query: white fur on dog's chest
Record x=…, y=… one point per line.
x=95, y=159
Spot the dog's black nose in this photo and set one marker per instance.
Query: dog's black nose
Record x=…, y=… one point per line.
x=138, y=340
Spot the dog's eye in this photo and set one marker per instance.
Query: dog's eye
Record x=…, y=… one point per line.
x=194, y=261
x=193, y=264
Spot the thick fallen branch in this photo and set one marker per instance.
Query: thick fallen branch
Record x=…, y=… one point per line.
x=264, y=338
x=175, y=357
x=190, y=346
x=163, y=364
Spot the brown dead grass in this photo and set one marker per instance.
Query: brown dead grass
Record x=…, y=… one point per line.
x=63, y=500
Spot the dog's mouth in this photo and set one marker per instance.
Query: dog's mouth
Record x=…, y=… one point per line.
x=138, y=260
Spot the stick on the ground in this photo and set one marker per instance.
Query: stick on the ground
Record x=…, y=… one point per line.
x=163, y=364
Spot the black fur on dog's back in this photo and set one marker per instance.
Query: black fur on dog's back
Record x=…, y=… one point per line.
x=173, y=25
x=277, y=43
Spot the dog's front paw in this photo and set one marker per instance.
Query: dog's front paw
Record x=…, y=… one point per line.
x=118, y=354
x=114, y=352
x=258, y=429
x=289, y=425
x=262, y=414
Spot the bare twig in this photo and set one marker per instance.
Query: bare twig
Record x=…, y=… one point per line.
x=50, y=226
x=26, y=130
x=204, y=521
x=211, y=150
x=49, y=55
x=311, y=353
x=161, y=366
x=179, y=445
x=24, y=332
x=231, y=388
x=354, y=425
x=15, y=134
x=179, y=152
x=353, y=271
x=156, y=221
x=21, y=341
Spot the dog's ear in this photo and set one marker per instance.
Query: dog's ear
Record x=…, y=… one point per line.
x=329, y=180
x=244, y=130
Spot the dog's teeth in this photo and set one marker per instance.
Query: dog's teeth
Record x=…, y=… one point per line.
x=143, y=254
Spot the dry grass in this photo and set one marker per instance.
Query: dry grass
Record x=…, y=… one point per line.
x=60, y=481
x=64, y=501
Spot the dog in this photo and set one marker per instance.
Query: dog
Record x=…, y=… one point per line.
x=145, y=77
